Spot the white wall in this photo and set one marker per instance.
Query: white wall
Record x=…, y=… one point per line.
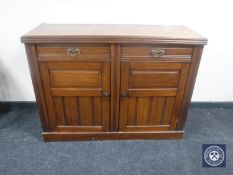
x=212, y=19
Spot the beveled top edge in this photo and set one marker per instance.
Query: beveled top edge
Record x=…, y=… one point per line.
x=114, y=33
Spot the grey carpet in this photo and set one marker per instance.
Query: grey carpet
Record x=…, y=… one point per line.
x=22, y=151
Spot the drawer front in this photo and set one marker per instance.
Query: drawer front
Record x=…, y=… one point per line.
x=73, y=52
x=155, y=51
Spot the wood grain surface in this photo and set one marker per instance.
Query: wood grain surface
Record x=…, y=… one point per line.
x=110, y=33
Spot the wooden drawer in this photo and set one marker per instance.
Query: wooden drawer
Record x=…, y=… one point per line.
x=155, y=51
x=73, y=52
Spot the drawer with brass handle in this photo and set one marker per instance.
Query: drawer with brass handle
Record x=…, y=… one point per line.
x=154, y=51
x=67, y=51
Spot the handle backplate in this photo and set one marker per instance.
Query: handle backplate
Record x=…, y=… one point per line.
x=158, y=52
x=73, y=51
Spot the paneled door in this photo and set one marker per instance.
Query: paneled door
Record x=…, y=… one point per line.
x=77, y=95
x=151, y=94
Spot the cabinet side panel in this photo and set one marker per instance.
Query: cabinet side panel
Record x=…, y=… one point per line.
x=196, y=58
x=36, y=81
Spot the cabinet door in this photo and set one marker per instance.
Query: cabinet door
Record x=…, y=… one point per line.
x=151, y=95
x=77, y=95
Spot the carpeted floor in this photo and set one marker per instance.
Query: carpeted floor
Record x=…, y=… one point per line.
x=22, y=151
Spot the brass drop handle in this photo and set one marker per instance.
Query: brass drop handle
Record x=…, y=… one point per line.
x=124, y=94
x=106, y=94
x=158, y=52
x=73, y=51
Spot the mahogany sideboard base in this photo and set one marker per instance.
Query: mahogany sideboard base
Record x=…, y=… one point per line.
x=65, y=136
x=113, y=82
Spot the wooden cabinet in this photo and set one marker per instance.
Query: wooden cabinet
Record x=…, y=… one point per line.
x=113, y=81
x=151, y=93
x=77, y=95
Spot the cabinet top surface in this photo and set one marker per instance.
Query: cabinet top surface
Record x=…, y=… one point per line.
x=112, y=33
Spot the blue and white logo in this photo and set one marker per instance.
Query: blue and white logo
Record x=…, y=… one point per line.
x=214, y=155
